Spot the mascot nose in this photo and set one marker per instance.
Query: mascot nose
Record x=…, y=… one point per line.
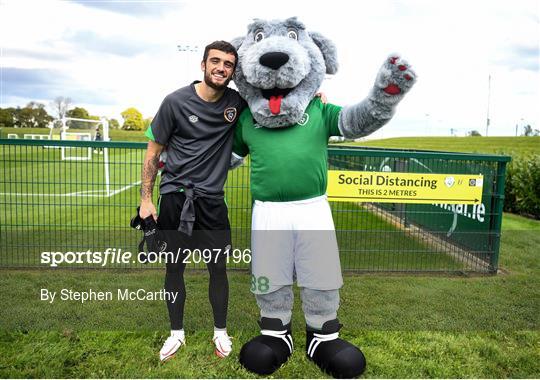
x=274, y=60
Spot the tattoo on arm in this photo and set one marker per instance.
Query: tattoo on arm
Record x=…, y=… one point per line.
x=149, y=172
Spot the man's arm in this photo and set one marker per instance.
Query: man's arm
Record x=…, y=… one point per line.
x=148, y=178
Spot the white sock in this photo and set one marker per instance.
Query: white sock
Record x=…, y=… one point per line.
x=178, y=334
x=219, y=332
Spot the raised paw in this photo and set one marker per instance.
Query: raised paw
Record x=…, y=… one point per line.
x=395, y=76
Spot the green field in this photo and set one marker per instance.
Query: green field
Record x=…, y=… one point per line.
x=409, y=325
x=55, y=205
x=114, y=134
x=476, y=144
x=50, y=204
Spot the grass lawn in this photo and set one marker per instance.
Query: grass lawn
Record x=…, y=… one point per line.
x=477, y=144
x=114, y=134
x=512, y=222
x=407, y=325
x=50, y=204
x=474, y=144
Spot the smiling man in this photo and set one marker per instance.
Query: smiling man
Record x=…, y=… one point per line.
x=194, y=126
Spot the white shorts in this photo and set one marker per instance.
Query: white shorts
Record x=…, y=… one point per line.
x=291, y=239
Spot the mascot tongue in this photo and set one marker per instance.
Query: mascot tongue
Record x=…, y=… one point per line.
x=275, y=104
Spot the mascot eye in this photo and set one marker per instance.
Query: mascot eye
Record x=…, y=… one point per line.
x=292, y=34
x=259, y=36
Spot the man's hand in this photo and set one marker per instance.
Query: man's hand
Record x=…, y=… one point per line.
x=323, y=97
x=236, y=161
x=147, y=209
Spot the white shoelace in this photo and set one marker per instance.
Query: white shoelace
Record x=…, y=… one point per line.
x=287, y=338
x=318, y=339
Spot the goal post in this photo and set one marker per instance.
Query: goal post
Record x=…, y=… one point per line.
x=88, y=132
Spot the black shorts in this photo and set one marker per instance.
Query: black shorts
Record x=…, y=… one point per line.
x=211, y=229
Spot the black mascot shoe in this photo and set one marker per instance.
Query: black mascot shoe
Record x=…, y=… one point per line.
x=333, y=355
x=265, y=353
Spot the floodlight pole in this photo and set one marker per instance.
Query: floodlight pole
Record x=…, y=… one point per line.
x=489, y=96
x=187, y=49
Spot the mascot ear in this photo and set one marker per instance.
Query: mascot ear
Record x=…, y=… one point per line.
x=237, y=42
x=328, y=50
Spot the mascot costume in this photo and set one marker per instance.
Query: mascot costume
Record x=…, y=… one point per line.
x=285, y=131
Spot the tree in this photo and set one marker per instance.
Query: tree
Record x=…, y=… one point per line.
x=23, y=118
x=133, y=120
x=33, y=115
x=78, y=113
x=114, y=124
x=527, y=130
x=147, y=123
x=474, y=133
x=7, y=117
x=41, y=117
x=61, y=105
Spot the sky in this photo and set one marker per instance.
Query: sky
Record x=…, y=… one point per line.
x=110, y=55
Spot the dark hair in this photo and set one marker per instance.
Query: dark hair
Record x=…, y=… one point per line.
x=223, y=46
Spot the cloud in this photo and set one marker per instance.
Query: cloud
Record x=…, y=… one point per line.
x=131, y=8
x=46, y=84
x=525, y=57
x=35, y=54
x=123, y=53
x=31, y=83
x=519, y=57
x=89, y=41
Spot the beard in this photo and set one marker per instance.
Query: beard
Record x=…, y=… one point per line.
x=215, y=86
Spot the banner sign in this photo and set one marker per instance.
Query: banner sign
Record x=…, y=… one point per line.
x=393, y=187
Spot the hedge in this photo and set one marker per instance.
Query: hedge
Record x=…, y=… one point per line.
x=522, y=190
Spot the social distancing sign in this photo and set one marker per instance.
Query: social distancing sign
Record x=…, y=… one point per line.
x=392, y=187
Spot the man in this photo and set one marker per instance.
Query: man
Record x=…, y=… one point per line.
x=98, y=137
x=195, y=124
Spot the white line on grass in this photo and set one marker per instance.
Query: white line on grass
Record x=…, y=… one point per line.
x=124, y=188
x=86, y=193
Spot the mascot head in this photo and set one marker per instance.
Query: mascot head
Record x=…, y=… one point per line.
x=281, y=66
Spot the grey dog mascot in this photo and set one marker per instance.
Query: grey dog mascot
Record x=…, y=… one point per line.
x=285, y=131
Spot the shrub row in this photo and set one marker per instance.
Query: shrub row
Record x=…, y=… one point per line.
x=522, y=189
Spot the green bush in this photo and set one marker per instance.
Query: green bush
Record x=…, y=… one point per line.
x=522, y=190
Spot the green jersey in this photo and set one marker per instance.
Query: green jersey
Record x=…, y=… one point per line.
x=291, y=163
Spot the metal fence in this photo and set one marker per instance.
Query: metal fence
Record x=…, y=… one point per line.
x=74, y=196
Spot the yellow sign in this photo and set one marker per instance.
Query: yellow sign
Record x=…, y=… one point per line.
x=392, y=187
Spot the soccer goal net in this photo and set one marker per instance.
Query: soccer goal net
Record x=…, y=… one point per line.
x=74, y=129
x=75, y=153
